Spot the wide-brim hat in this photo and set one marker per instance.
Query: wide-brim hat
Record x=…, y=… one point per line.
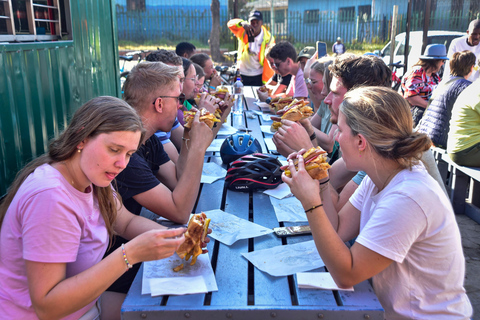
x=255, y=15
x=306, y=52
x=435, y=52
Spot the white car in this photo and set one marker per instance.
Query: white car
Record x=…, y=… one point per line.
x=415, y=44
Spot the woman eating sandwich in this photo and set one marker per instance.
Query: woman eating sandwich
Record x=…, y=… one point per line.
x=407, y=238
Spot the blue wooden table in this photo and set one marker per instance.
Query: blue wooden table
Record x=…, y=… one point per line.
x=244, y=292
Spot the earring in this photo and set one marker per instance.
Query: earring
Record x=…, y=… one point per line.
x=79, y=150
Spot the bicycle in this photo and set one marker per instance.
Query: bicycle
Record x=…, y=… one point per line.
x=229, y=74
x=141, y=55
x=396, y=80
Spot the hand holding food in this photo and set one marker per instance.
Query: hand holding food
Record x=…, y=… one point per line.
x=315, y=163
x=295, y=111
x=208, y=118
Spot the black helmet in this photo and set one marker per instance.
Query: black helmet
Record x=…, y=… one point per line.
x=237, y=145
x=255, y=171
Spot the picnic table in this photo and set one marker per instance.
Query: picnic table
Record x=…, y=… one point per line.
x=244, y=292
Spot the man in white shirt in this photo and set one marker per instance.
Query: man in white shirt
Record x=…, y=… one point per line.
x=469, y=42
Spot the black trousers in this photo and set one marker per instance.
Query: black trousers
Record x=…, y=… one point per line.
x=252, y=80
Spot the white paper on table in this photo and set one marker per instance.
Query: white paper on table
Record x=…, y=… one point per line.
x=318, y=280
x=270, y=145
x=280, y=192
x=228, y=228
x=212, y=172
x=286, y=260
x=265, y=116
x=266, y=129
x=164, y=269
x=165, y=286
x=263, y=106
x=226, y=130
x=288, y=210
x=215, y=145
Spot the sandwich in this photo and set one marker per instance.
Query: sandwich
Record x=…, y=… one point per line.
x=205, y=116
x=221, y=92
x=315, y=163
x=295, y=111
x=194, y=237
x=278, y=103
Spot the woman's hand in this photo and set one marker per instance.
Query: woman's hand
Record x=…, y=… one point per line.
x=208, y=102
x=154, y=245
x=215, y=80
x=303, y=187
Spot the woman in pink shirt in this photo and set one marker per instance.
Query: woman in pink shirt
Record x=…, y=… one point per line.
x=61, y=212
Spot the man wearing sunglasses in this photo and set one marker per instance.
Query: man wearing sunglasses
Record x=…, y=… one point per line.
x=151, y=180
x=285, y=62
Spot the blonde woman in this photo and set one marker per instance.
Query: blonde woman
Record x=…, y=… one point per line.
x=407, y=241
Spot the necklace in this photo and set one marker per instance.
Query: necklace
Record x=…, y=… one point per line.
x=390, y=177
x=69, y=173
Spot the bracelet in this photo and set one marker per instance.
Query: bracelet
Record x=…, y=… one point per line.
x=129, y=266
x=314, y=207
x=326, y=181
x=313, y=136
x=186, y=141
x=212, y=87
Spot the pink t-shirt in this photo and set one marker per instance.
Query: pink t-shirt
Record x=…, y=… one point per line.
x=47, y=221
x=297, y=87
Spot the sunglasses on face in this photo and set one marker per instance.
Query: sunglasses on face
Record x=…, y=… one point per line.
x=277, y=64
x=180, y=98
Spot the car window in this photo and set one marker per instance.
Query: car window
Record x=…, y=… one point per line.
x=445, y=40
x=401, y=49
x=386, y=49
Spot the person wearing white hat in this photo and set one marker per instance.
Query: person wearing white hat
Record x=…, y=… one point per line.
x=419, y=83
x=338, y=47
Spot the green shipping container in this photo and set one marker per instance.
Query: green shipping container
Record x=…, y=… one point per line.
x=43, y=83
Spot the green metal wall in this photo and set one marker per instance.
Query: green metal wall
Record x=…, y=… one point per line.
x=42, y=84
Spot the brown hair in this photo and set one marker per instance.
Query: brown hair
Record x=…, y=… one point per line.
x=145, y=79
x=99, y=115
x=165, y=56
x=427, y=64
x=321, y=66
x=200, y=59
x=355, y=70
x=461, y=63
x=383, y=117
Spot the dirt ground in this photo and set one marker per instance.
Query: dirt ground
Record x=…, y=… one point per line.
x=470, y=231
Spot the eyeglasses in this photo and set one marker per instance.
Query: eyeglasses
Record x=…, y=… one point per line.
x=277, y=64
x=193, y=79
x=310, y=82
x=180, y=98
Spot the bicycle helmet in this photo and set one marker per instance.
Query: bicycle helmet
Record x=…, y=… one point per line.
x=252, y=172
x=237, y=145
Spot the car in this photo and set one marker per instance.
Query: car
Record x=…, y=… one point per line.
x=415, y=44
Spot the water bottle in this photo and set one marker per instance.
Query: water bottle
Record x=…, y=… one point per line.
x=238, y=92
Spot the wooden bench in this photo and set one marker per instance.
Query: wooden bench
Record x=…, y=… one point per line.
x=462, y=183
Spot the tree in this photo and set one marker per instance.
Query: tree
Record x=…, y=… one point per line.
x=215, y=33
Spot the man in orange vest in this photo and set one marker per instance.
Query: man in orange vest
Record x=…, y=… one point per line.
x=253, y=40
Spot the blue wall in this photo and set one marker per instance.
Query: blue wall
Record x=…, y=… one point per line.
x=179, y=20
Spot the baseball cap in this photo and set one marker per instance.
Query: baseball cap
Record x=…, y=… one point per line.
x=306, y=52
x=255, y=15
x=339, y=39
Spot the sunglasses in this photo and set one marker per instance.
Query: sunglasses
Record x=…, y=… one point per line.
x=277, y=64
x=180, y=98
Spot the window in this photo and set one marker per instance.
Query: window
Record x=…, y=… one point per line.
x=35, y=20
x=311, y=16
x=346, y=14
x=365, y=12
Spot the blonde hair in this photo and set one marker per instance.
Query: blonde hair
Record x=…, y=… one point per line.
x=99, y=115
x=145, y=79
x=383, y=117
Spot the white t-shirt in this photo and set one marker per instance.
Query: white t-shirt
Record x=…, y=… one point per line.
x=412, y=223
x=460, y=44
x=252, y=67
